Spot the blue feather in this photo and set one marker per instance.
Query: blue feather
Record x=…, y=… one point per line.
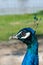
x=31, y=56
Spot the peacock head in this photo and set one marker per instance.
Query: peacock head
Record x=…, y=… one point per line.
x=26, y=35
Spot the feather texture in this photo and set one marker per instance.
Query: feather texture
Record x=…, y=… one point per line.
x=31, y=56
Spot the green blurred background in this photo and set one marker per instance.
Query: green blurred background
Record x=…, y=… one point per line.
x=11, y=24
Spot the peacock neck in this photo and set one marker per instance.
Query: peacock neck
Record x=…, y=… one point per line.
x=33, y=47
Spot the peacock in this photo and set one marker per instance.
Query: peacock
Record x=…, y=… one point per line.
x=28, y=37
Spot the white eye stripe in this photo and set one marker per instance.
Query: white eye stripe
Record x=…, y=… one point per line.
x=27, y=35
x=19, y=33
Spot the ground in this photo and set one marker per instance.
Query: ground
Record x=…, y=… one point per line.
x=12, y=52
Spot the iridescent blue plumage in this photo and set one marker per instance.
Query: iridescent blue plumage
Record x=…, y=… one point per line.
x=31, y=56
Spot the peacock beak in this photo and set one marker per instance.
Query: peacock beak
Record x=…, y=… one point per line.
x=13, y=37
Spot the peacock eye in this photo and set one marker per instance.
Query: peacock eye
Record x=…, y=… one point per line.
x=23, y=33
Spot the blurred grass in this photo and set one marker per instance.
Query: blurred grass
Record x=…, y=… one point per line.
x=11, y=24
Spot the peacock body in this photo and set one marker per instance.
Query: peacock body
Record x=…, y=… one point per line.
x=28, y=36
